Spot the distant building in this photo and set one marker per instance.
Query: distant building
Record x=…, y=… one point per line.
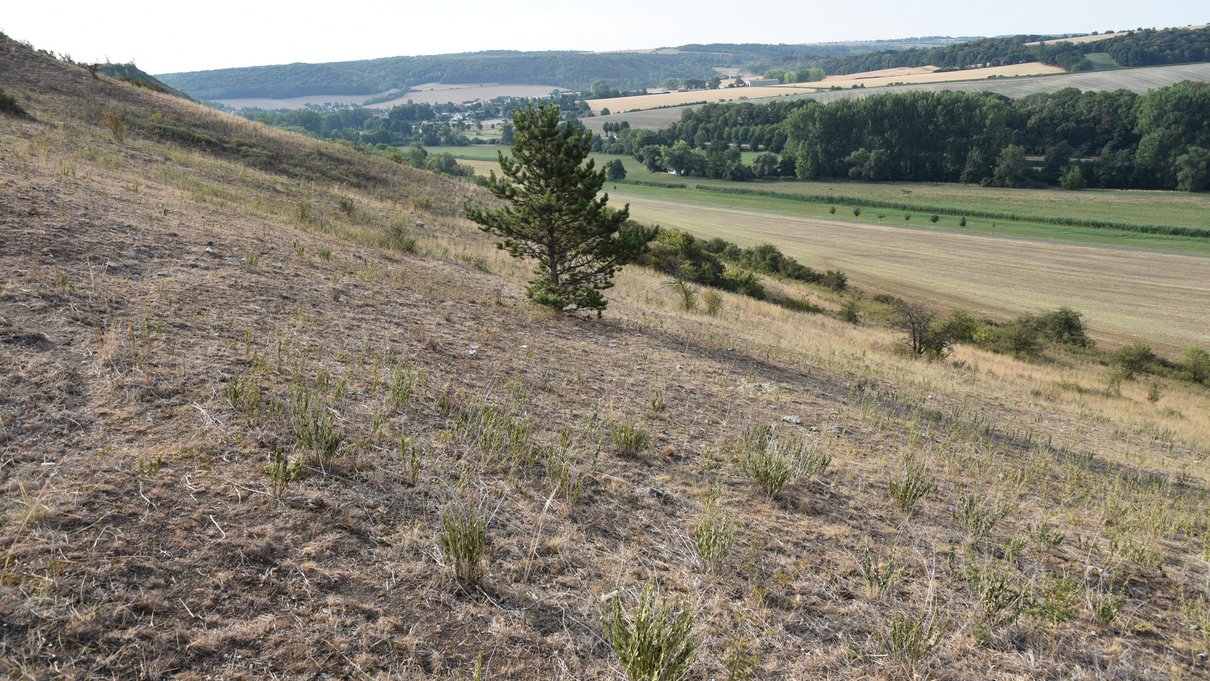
x=761, y=82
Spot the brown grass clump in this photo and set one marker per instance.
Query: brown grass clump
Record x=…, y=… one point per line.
x=190, y=319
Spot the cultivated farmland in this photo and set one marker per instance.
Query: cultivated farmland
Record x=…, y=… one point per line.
x=868, y=79
x=1132, y=286
x=1126, y=294
x=1138, y=80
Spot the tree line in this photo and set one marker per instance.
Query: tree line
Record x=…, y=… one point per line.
x=1143, y=47
x=1068, y=138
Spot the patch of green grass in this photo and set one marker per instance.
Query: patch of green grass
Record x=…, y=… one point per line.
x=1029, y=212
x=1101, y=61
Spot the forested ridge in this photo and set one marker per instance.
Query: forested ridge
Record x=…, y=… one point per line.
x=568, y=69
x=1074, y=139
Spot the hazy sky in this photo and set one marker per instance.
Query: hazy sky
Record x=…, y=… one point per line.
x=170, y=35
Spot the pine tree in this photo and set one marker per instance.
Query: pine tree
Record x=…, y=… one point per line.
x=554, y=216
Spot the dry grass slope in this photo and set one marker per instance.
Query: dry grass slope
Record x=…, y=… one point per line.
x=242, y=393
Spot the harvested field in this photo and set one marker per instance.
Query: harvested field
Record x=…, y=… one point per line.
x=867, y=79
x=1079, y=39
x=1138, y=80
x=641, y=102
x=874, y=79
x=1126, y=294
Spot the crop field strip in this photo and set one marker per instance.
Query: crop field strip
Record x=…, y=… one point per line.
x=869, y=79
x=1047, y=214
x=1138, y=80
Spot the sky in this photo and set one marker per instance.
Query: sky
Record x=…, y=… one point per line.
x=167, y=36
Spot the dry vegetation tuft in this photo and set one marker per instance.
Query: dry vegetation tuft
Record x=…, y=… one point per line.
x=256, y=422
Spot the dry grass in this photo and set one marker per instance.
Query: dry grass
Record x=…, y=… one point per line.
x=142, y=536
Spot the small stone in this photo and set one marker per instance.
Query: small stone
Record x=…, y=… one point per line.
x=813, y=429
x=663, y=495
x=163, y=273
x=793, y=420
x=113, y=265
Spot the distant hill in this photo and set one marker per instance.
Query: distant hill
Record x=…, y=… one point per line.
x=133, y=74
x=574, y=70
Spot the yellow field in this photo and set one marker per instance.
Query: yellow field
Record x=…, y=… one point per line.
x=1079, y=40
x=624, y=104
x=930, y=75
x=866, y=79
x=1125, y=294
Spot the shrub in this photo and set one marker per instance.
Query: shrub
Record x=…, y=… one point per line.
x=910, y=639
x=715, y=531
x=115, y=124
x=713, y=301
x=1132, y=360
x=9, y=105
x=1065, y=326
x=1197, y=364
x=686, y=295
x=835, y=280
x=934, y=218
x=924, y=337
x=856, y=211
x=770, y=469
x=879, y=575
x=1019, y=337
x=1073, y=179
x=849, y=312
x=630, y=438
x=961, y=326
x=654, y=644
x=744, y=283
x=463, y=538
x=913, y=483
